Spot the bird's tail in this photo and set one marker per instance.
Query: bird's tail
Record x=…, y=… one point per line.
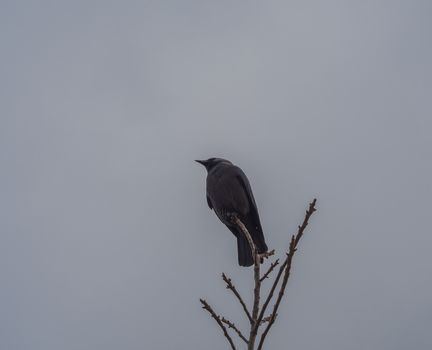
x=244, y=252
x=256, y=233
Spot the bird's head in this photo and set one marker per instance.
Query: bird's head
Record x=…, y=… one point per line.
x=212, y=162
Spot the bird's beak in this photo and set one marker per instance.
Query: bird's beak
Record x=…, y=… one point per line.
x=203, y=162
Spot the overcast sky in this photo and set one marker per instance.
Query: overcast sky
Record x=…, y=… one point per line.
x=106, y=240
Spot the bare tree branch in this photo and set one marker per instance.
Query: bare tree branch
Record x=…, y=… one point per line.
x=257, y=288
x=270, y=295
x=284, y=264
x=233, y=326
x=245, y=231
x=257, y=318
x=231, y=286
x=292, y=249
x=272, y=266
x=207, y=307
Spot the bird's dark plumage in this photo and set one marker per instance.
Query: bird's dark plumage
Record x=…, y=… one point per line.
x=228, y=193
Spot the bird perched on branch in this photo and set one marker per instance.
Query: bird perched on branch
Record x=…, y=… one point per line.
x=229, y=193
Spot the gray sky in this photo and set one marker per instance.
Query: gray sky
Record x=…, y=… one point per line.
x=106, y=241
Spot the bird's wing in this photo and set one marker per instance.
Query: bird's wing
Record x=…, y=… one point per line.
x=241, y=177
x=252, y=221
x=209, y=203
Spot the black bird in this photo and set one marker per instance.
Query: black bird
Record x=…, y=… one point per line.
x=228, y=193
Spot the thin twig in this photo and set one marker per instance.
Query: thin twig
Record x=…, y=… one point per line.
x=245, y=231
x=292, y=249
x=255, y=310
x=266, y=255
x=233, y=326
x=270, y=295
x=282, y=267
x=231, y=286
x=207, y=307
x=272, y=266
x=266, y=319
